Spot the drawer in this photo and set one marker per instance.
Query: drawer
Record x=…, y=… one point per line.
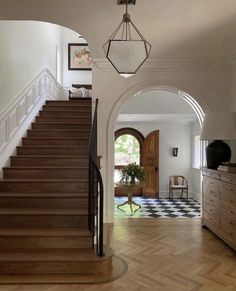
x=212, y=210
x=209, y=200
x=228, y=194
x=228, y=228
x=211, y=191
x=211, y=174
x=228, y=211
x=211, y=219
x=228, y=178
x=211, y=183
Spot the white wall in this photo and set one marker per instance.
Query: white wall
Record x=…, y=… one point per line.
x=232, y=145
x=196, y=173
x=26, y=48
x=72, y=77
x=172, y=134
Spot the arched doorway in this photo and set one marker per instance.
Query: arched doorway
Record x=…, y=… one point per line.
x=128, y=149
x=139, y=88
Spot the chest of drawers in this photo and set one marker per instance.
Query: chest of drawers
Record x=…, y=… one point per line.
x=219, y=204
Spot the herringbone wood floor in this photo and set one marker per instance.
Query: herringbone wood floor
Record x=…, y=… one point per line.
x=163, y=255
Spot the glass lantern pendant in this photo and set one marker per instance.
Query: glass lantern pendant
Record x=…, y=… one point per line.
x=127, y=49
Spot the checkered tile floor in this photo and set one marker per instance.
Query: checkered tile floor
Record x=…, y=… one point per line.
x=162, y=208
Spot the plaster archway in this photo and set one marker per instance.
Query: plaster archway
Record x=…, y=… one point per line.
x=197, y=103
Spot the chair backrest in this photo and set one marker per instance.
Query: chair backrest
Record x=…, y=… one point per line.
x=178, y=180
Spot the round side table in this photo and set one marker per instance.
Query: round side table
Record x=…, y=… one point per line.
x=129, y=190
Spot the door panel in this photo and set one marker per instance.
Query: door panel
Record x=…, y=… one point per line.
x=151, y=164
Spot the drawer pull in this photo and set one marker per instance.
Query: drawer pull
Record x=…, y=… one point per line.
x=231, y=201
x=231, y=222
x=228, y=180
x=231, y=211
x=211, y=209
x=210, y=200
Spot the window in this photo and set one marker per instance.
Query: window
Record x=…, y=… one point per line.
x=127, y=150
x=197, y=152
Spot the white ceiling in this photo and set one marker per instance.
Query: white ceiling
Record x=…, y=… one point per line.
x=177, y=29
x=156, y=106
x=156, y=118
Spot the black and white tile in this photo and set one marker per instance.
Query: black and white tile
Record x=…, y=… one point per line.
x=159, y=208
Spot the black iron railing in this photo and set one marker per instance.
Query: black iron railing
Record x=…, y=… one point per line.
x=95, y=189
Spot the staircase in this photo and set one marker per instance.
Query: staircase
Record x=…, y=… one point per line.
x=45, y=231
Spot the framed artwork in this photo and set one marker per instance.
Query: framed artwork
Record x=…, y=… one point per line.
x=79, y=57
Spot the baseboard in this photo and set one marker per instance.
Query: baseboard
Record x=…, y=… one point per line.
x=165, y=194
x=17, y=118
x=196, y=196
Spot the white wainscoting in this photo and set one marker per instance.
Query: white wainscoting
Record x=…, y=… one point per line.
x=17, y=118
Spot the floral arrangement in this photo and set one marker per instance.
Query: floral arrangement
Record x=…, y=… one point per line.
x=132, y=172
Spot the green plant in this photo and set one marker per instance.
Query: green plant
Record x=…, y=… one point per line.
x=132, y=172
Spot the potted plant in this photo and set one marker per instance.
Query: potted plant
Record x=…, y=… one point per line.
x=131, y=173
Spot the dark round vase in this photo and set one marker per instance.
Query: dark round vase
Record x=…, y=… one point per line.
x=217, y=152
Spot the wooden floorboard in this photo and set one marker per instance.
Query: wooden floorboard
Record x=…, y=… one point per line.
x=162, y=255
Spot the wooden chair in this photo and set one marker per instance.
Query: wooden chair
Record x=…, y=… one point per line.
x=178, y=183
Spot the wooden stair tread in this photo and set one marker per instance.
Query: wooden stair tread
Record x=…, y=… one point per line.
x=45, y=211
x=67, y=111
x=51, y=156
x=74, y=106
x=48, y=146
x=85, y=104
x=49, y=255
x=53, y=137
x=43, y=180
x=44, y=167
x=59, y=122
x=48, y=232
x=58, y=129
x=42, y=195
x=71, y=101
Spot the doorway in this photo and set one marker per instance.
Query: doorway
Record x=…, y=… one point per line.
x=178, y=124
x=128, y=149
x=132, y=147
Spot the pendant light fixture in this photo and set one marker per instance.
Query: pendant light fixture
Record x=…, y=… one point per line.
x=127, y=49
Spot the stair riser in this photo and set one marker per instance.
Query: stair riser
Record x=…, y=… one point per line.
x=11, y=173
x=57, y=133
x=44, y=203
x=86, y=268
x=54, y=142
x=22, y=161
x=26, y=221
x=83, y=102
x=41, y=125
x=67, y=108
x=44, y=187
x=46, y=242
x=81, y=120
x=65, y=113
x=50, y=151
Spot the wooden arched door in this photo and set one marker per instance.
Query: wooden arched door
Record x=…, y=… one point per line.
x=127, y=131
x=151, y=164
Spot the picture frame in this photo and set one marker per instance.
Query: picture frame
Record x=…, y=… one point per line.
x=79, y=58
